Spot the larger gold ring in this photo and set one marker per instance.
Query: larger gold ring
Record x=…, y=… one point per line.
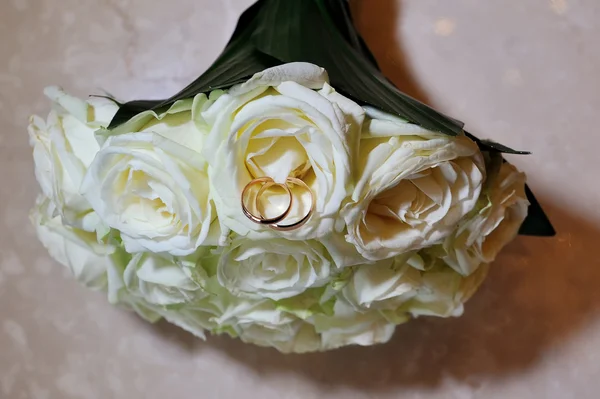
x=301, y=222
x=267, y=181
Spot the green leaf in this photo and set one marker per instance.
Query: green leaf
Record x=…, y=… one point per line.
x=342, y=18
x=131, y=109
x=294, y=31
x=536, y=223
x=491, y=146
x=274, y=32
x=493, y=164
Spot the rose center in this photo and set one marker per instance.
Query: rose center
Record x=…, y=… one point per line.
x=141, y=203
x=412, y=203
x=277, y=157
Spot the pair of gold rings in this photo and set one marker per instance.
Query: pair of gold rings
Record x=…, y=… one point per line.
x=274, y=222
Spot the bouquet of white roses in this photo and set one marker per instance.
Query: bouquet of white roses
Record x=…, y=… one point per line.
x=291, y=196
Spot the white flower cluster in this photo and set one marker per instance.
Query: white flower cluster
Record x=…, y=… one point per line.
x=405, y=221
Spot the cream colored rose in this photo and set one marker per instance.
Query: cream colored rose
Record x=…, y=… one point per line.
x=346, y=326
x=166, y=287
x=260, y=322
x=443, y=292
x=150, y=181
x=411, y=285
x=75, y=249
x=385, y=285
x=196, y=318
x=274, y=269
x=256, y=321
x=277, y=125
x=413, y=187
x=271, y=328
x=164, y=280
x=63, y=148
x=500, y=213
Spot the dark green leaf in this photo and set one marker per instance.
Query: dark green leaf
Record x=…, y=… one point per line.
x=107, y=97
x=131, y=109
x=285, y=34
x=340, y=13
x=488, y=145
x=273, y=32
x=493, y=165
x=536, y=223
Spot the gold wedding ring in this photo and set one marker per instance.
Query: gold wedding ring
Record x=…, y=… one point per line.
x=273, y=223
x=266, y=183
x=301, y=222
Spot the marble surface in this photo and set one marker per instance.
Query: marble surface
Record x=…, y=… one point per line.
x=524, y=72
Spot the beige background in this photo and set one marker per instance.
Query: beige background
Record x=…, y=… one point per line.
x=524, y=72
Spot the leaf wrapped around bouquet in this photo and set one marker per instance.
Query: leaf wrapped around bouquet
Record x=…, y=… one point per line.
x=291, y=196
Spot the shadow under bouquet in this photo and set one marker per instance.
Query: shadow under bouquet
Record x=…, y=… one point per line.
x=291, y=196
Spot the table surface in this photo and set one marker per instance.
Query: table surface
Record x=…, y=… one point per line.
x=523, y=72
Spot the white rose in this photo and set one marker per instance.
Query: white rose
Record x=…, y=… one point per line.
x=75, y=249
x=348, y=327
x=385, y=285
x=274, y=269
x=217, y=312
x=260, y=322
x=164, y=280
x=269, y=327
x=443, y=291
x=501, y=211
x=416, y=285
x=196, y=318
x=159, y=287
x=150, y=182
x=118, y=293
x=413, y=188
x=256, y=321
x=277, y=126
x=202, y=313
x=207, y=305
x=165, y=287
x=63, y=148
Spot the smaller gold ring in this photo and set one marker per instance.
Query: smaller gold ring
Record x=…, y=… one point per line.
x=305, y=219
x=262, y=220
